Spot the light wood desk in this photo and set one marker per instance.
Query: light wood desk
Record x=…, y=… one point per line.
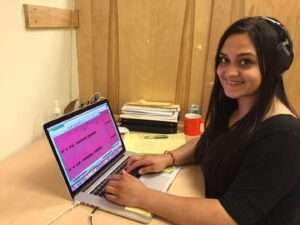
x=32, y=191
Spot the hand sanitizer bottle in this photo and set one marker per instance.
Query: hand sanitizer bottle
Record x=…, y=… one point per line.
x=56, y=110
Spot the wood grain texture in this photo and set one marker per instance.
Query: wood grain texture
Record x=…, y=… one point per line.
x=138, y=48
x=165, y=50
x=43, y=17
x=200, y=51
x=113, y=75
x=85, y=50
x=185, y=57
x=154, y=50
x=100, y=24
x=149, y=47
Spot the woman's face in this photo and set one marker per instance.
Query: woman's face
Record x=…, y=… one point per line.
x=238, y=69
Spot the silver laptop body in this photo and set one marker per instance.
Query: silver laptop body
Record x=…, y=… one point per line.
x=88, y=148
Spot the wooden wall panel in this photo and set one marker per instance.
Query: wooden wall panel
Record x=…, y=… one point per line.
x=140, y=48
x=150, y=35
x=202, y=37
x=85, y=49
x=292, y=79
x=164, y=50
x=183, y=78
x=100, y=23
x=113, y=57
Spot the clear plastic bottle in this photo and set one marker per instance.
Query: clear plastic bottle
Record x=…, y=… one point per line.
x=194, y=108
x=56, y=110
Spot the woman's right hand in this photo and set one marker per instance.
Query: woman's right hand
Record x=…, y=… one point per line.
x=148, y=163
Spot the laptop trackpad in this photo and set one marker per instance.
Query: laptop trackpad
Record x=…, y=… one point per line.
x=159, y=181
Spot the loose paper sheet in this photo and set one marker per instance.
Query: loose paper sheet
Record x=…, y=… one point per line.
x=137, y=143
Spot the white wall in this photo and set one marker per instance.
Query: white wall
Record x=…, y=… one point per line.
x=36, y=68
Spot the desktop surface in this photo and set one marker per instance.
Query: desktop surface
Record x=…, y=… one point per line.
x=33, y=191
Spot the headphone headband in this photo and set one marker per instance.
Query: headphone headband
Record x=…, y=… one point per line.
x=284, y=47
x=273, y=21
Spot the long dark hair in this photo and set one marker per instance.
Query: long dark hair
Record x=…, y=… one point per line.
x=220, y=149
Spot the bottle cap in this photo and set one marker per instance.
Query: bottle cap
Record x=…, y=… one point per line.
x=194, y=109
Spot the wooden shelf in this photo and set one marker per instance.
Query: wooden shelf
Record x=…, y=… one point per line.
x=43, y=17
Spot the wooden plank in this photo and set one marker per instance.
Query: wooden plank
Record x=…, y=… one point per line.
x=150, y=38
x=201, y=37
x=113, y=70
x=148, y=51
x=39, y=17
x=183, y=81
x=84, y=41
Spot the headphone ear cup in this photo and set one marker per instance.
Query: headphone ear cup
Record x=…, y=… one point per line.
x=285, y=56
x=284, y=49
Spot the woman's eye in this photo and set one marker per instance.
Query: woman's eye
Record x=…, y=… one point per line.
x=223, y=60
x=245, y=62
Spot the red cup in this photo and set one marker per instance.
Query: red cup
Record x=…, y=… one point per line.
x=192, y=124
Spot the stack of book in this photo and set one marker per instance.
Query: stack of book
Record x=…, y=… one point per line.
x=156, y=117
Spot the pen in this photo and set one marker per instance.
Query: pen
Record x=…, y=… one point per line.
x=156, y=136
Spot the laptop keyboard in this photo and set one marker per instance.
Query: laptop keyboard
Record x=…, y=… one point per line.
x=100, y=189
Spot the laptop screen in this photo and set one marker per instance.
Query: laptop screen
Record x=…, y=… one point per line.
x=85, y=143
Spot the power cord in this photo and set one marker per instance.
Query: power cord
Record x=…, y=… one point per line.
x=91, y=215
x=75, y=204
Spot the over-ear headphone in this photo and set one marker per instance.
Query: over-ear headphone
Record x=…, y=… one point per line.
x=285, y=46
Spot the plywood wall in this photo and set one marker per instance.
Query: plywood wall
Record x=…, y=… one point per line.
x=136, y=49
x=164, y=50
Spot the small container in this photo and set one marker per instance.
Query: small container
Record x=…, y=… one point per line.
x=193, y=121
x=192, y=124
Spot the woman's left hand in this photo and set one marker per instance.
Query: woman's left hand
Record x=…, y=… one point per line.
x=125, y=189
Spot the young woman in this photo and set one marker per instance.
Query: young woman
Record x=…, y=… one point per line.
x=250, y=150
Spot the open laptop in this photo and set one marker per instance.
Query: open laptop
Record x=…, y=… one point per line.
x=88, y=148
